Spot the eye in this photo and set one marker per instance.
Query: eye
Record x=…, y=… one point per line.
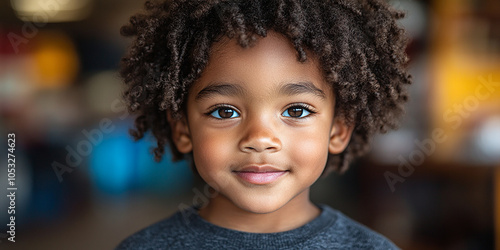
x=297, y=112
x=224, y=113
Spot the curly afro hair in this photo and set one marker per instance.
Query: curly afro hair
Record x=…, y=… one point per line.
x=359, y=45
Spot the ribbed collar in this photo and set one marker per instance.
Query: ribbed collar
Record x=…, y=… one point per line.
x=233, y=238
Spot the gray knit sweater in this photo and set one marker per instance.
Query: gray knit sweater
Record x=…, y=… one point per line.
x=187, y=230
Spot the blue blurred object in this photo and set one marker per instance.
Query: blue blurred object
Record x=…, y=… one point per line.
x=118, y=165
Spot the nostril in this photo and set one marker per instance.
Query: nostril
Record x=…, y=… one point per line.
x=260, y=143
x=258, y=149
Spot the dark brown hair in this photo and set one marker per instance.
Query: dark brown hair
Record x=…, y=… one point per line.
x=358, y=43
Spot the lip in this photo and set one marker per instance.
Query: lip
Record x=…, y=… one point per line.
x=260, y=175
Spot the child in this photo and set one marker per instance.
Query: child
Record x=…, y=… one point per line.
x=259, y=95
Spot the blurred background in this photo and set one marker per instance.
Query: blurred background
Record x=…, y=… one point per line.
x=84, y=184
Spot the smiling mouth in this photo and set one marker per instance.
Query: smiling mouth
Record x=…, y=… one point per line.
x=260, y=178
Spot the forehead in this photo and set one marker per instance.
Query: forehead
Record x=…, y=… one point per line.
x=272, y=59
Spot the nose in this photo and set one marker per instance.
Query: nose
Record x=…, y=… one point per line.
x=260, y=137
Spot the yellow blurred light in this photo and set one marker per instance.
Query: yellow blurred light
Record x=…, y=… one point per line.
x=466, y=89
x=56, y=60
x=51, y=10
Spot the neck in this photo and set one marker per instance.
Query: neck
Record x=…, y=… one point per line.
x=224, y=213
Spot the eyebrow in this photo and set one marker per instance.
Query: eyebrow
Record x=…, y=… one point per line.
x=229, y=89
x=225, y=89
x=302, y=88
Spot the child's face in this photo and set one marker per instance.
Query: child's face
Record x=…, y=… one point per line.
x=260, y=124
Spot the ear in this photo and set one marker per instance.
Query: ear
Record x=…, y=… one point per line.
x=180, y=134
x=340, y=136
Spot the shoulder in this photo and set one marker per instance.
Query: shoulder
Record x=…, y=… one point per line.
x=173, y=232
x=347, y=233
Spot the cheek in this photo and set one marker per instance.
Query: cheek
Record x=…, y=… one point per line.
x=210, y=150
x=309, y=151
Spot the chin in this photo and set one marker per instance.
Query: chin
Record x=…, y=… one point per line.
x=260, y=206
